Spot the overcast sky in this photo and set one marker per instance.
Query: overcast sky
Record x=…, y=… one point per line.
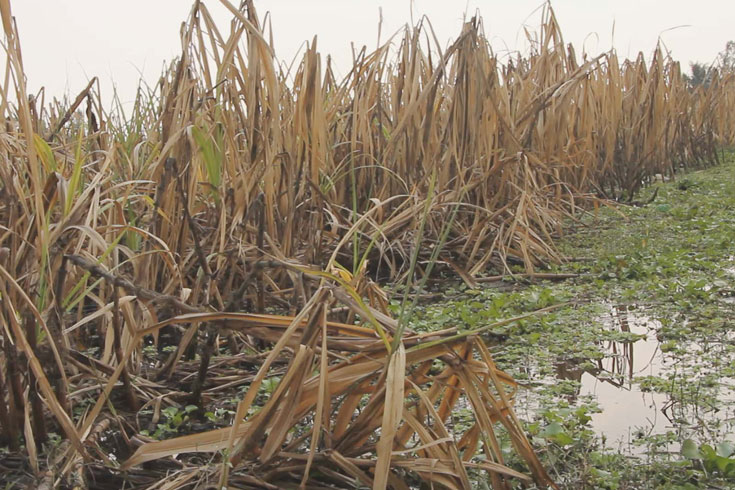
x=66, y=42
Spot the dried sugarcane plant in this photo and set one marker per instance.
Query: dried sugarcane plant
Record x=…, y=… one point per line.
x=225, y=239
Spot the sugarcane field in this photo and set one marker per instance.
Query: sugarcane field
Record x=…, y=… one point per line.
x=428, y=263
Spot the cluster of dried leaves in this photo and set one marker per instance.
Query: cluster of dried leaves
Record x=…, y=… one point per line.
x=236, y=185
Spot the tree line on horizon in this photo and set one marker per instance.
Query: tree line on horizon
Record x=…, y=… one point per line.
x=702, y=73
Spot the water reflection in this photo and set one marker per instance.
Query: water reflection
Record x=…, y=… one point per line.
x=677, y=388
x=628, y=412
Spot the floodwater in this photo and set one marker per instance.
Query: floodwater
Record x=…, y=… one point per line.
x=629, y=413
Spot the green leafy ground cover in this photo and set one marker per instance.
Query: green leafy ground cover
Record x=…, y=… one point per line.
x=632, y=384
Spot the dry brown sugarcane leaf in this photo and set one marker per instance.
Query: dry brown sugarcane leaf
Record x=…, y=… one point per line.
x=434, y=392
x=366, y=423
x=517, y=435
x=491, y=467
x=341, y=378
x=453, y=389
x=28, y=434
x=292, y=383
x=495, y=376
x=49, y=397
x=322, y=398
x=178, y=480
x=262, y=45
x=440, y=480
x=466, y=277
x=246, y=402
x=482, y=367
x=275, y=408
x=38, y=317
x=392, y=415
x=347, y=409
x=468, y=443
x=366, y=216
x=396, y=482
x=433, y=349
x=482, y=415
x=444, y=434
x=350, y=468
x=186, y=339
x=439, y=466
x=98, y=313
x=15, y=64
x=389, y=323
x=232, y=319
x=427, y=437
x=422, y=447
x=426, y=465
x=90, y=416
x=204, y=442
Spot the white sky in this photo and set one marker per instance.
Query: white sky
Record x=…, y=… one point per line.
x=66, y=42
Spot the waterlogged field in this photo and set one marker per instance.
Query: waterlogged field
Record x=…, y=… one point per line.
x=632, y=384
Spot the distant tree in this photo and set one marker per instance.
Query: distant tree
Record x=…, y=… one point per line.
x=702, y=74
x=727, y=57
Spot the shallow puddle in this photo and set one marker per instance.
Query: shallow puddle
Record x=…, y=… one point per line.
x=627, y=412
